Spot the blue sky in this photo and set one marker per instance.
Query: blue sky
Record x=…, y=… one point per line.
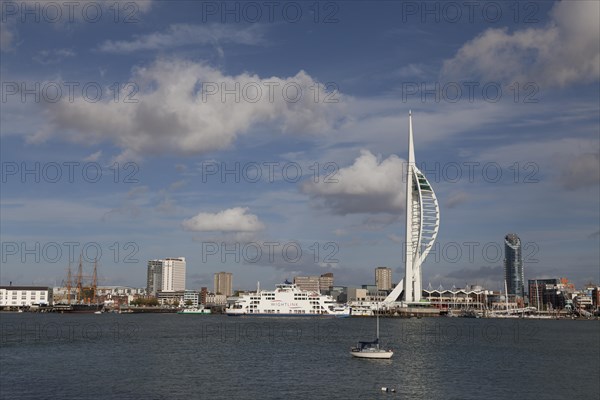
x=509, y=139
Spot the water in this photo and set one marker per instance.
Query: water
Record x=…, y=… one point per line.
x=173, y=356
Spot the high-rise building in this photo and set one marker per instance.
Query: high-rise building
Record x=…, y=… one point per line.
x=166, y=275
x=513, y=265
x=422, y=225
x=224, y=283
x=154, y=278
x=383, y=278
x=326, y=281
x=173, y=278
x=310, y=283
x=315, y=283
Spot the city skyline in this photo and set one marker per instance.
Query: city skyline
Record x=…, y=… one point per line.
x=174, y=159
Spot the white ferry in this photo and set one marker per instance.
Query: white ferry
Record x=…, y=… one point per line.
x=287, y=300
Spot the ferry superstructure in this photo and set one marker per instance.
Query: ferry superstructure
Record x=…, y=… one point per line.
x=287, y=300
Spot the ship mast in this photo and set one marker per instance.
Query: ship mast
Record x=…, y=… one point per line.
x=79, y=278
x=69, y=284
x=95, y=281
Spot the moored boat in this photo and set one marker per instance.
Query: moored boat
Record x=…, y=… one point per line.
x=371, y=349
x=287, y=300
x=203, y=311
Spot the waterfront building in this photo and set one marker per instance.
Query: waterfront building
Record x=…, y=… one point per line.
x=154, y=277
x=315, y=283
x=513, y=265
x=172, y=297
x=173, y=278
x=25, y=296
x=340, y=293
x=596, y=297
x=223, y=283
x=357, y=294
x=326, y=281
x=422, y=225
x=546, y=294
x=461, y=298
x=191, y=296
x=203, y=293
x=383, y=278
x=166, y=275
x=214, y=299
x=309, y=283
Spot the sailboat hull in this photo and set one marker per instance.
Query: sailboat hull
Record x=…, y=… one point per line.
x=376, y=354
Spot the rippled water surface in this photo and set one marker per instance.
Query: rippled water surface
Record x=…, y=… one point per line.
x=217, y=357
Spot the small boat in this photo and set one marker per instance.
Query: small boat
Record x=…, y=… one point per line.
x=204, y=311
x=371, y=349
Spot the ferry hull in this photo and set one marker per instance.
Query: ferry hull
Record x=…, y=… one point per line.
x=288, y=315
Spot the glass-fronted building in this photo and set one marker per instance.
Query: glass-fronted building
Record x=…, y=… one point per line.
x=513, y=265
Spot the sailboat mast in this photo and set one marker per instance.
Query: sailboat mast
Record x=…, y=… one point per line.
x=377, y=324
x=506, y=296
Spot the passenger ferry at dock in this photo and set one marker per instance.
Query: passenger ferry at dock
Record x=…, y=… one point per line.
x=287, y=300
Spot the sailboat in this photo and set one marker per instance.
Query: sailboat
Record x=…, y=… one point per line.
x=371, y=349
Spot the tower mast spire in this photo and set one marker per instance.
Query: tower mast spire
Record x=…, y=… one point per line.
x=422, y=224
x=409, y=277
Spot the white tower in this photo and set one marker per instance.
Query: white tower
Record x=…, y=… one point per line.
x=422, y=224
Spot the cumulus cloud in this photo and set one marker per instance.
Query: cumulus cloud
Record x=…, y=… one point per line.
x=181, y=109
x=370, y=185
x=186, y=34
x=565, y=51
x=231, y=220
x=53, y=56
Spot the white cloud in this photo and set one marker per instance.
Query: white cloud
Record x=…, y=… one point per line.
x=93, y=157
x=370, y=185
x=565, y=51
x=52, y=56
x=231, y=220
x=186, y=34
x=174, y=114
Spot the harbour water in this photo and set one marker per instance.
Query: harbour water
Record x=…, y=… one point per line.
x=170, y=356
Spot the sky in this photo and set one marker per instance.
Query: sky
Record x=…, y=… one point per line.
x=269, y=139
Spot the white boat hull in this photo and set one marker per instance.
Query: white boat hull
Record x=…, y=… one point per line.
x=382, y=354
